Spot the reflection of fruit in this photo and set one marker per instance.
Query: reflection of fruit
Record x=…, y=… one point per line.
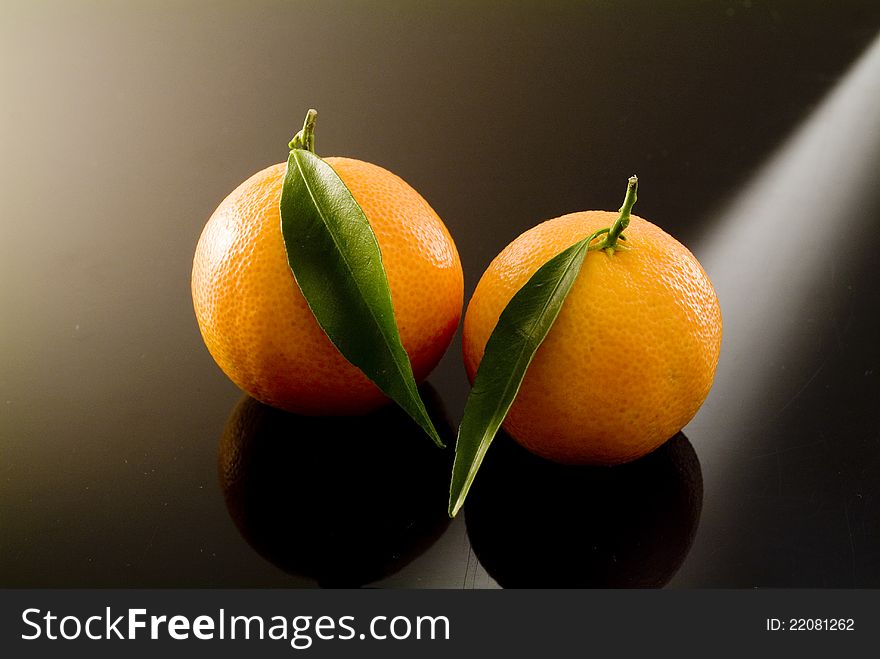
x=631, y=355
x=536, y=524
x=344, y=512
x=256, y=323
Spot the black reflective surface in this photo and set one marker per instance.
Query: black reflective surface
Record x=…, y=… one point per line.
x=754, y=127
x=342, y=500
x=534, y=523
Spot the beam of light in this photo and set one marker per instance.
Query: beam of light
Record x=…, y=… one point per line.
x=797, y=225
x=799, y=220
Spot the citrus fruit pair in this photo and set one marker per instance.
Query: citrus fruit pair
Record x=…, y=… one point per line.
x=627, y=363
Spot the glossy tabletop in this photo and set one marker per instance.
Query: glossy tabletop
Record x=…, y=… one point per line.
x=128, y=459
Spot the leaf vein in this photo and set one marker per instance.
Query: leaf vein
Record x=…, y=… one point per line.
x=348, y=266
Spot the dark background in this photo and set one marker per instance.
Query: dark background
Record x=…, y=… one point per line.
x=754, y=127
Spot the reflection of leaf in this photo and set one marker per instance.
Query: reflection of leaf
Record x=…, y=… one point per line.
x=521, y=328
x=335, y=258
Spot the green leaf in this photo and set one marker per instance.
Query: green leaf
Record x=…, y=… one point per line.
x=521, y=328
x=335, y=258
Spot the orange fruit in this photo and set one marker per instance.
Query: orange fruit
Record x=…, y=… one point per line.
x=633, y=351
x=255, y=320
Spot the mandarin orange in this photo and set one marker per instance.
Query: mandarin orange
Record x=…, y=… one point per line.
x=257, y=324
x=631, y=355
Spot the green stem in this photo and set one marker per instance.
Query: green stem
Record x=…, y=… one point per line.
x=305, y=139
x=622, y=221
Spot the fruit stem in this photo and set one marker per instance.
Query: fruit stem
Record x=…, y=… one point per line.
x=305, y=139
x=622, y=221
